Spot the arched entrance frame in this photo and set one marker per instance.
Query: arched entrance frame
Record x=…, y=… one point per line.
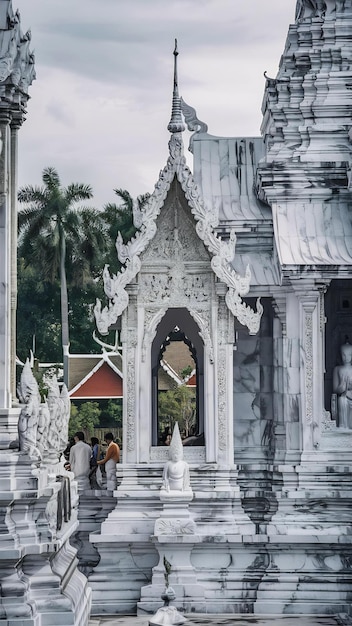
x=212, y=331
x=177, y=317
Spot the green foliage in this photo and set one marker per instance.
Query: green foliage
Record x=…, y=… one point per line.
x=81, y=318
x=50, y=229
x=186, y=371
x=85, y=418
x=177, y=405
x=38, y=315
x=114, y=411
x=50, y=218
x=118, y=218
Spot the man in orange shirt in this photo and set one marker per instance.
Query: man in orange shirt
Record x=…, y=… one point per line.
x=111, y=458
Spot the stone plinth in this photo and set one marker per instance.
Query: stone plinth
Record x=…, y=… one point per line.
x=93, y=508
x=40, y=582
x=175, y=534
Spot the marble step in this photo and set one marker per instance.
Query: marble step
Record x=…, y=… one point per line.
x=232, y=620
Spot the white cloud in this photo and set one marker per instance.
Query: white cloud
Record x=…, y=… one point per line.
x=102, y=99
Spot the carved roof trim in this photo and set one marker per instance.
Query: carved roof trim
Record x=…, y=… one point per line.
x=222, y=252
x=104, y=358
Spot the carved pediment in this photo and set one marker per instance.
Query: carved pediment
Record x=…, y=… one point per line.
x=175, y=239
x=165, y=231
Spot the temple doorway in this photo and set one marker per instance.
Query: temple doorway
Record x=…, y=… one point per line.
x=177, y=379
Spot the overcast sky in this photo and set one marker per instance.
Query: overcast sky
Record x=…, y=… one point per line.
x=101, y=102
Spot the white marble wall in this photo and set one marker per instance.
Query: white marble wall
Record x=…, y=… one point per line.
x=254, y=416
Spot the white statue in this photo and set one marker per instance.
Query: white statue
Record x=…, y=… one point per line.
x=65, y=412
x=59, y=407
x=53, y=401
x=176, y=471
x=43, y=428
x=167, y=616
x=342, y=386
x=29, y=397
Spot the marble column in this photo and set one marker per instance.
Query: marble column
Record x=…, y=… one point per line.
x=5, y=258
x=311, y=365
x=130, y=406
x=279, y=353
x=15, y=125
x=224, y=435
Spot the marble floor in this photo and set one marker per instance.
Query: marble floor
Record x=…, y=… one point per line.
x=231, y=620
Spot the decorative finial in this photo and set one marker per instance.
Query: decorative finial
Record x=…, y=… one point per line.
x=176, y=124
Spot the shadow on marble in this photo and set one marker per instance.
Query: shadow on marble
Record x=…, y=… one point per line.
x=230, y=620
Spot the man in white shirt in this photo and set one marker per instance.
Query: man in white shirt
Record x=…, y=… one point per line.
x=80, y=455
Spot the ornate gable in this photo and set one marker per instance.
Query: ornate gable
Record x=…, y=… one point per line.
x=221, y=253
x=176, y=235
x=168, y=235
x=176, y=265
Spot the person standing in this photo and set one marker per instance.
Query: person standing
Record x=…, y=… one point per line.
x=80, y=455
x=110, y=460
x=93, y=462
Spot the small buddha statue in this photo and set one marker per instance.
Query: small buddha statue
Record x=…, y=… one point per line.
x=342, y=386
x=176, y=471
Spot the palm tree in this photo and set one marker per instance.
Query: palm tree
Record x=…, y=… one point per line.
x=48, y=221
x=122, y=218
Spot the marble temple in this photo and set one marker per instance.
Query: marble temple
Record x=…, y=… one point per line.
x=247, y=260
x=40, y=583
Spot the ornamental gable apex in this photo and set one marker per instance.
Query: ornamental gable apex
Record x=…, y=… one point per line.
x=220, y=252
x=176, y=239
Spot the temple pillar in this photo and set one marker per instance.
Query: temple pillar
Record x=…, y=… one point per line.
x=15, y=125
x=311, y=366
x=279, y=361
x=131, y=380
x=224, y=435
x=5, y=264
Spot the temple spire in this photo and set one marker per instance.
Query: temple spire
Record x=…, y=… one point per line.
x=176, y=124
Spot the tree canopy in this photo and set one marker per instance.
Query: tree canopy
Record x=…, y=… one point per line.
x=63, y=248
x=49, y=225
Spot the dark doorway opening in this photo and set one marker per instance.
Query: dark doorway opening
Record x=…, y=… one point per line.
x=177, y=378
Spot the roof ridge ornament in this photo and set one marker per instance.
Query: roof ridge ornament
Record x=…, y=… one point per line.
x=176, y=124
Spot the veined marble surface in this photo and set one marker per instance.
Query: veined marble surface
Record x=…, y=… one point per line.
x=228, y=620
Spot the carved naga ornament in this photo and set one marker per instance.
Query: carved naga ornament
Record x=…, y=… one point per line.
x=206, y=221
x=17, y=60
x=42, y=426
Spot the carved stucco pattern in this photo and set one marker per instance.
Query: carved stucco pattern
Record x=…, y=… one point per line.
x=131, y=388
x=174, y=527
x=308, y=352
x=191, y=119
x=42, y=427
x=243, y=312
x=322, y=317
x=175, y=288
x=175, y=238
x=170, y=278
x=114, y=287
x=152, y=317
x=222, y=376
x=202, y=318
x=191, y=454
x=222, y=252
